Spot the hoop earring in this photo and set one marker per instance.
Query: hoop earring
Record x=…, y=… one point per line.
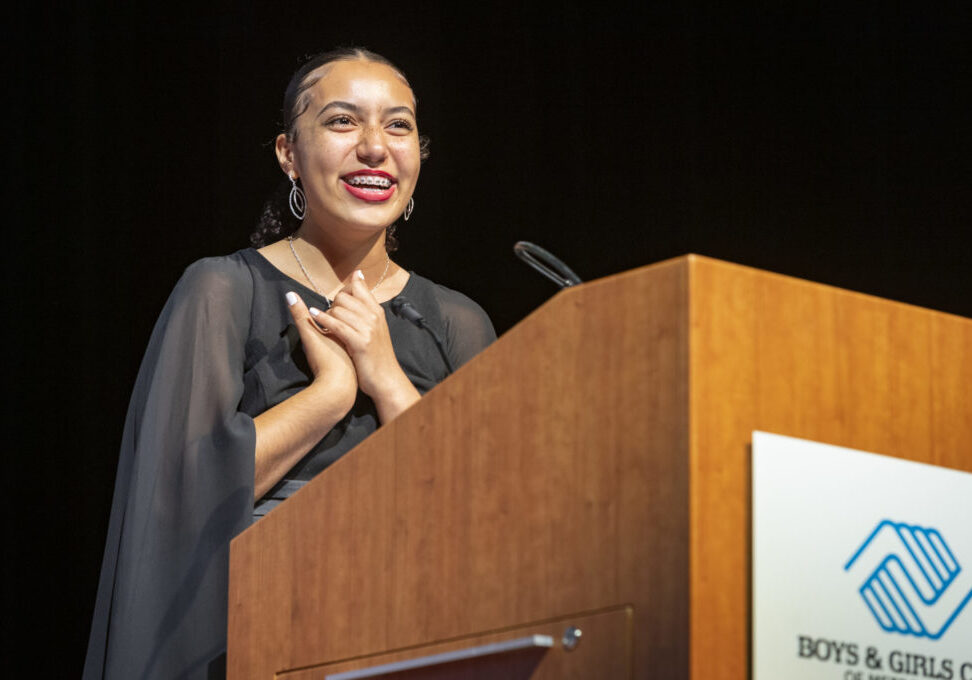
x=298, y=203
x=408, y=209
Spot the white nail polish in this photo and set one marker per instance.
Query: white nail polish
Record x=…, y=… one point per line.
x=359, y=274
x=291, y=298
x=315, y=311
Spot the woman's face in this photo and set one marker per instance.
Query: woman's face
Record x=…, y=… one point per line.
x=356, y=149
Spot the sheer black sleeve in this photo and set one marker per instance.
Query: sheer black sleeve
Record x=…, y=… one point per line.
x=468, y=328
x=184, y=487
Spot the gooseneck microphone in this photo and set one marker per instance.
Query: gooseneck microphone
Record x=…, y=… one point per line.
x=406, y=310
x=546, y=263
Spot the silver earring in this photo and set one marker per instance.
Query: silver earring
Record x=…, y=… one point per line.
x=408, y=209
x=298, y=203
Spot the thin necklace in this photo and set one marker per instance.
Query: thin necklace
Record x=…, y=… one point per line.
x=290, y=241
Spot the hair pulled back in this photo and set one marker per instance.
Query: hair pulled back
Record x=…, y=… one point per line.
x=276, y=221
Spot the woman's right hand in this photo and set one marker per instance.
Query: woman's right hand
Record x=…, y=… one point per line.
x=286, y=431
x=329, y=362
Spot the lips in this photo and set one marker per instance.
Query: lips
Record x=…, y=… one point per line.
x=374, y=186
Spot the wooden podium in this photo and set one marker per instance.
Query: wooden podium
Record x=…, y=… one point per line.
x=589, y=470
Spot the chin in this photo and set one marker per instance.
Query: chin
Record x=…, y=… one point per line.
x=369, y=226
x=366, y=220
x=371, y=219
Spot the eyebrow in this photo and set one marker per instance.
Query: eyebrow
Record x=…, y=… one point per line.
x=354, y=108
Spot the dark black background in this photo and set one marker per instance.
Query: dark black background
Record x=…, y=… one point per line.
x=829, y=143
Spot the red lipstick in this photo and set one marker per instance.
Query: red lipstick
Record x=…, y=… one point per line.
x=371, y=191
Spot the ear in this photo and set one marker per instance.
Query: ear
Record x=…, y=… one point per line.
x=284, y=149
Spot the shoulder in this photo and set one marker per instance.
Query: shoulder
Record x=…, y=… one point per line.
x=467, y=325
x=216, y=272
x=213, y=289
x=226, y=275
x=449, y=302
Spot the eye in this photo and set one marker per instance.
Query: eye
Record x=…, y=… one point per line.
x=339, y=121
x=402, y=125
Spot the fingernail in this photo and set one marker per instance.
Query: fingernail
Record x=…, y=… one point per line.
x=315, y=311
x=291, y=298
x=358, y=273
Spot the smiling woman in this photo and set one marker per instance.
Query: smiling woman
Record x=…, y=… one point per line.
x=278, y=220
x=269, y=364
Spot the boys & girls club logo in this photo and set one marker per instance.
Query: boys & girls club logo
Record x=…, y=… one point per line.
x=911, y=581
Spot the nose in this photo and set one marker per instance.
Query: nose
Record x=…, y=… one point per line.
x=371, y=146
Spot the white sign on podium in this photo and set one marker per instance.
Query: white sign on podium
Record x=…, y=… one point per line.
x=862, y=565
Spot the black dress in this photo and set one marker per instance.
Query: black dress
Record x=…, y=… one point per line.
x=223, y=351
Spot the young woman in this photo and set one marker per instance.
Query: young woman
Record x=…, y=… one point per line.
x=267, y=365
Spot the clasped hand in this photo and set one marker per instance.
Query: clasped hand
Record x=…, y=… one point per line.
x=355, y=326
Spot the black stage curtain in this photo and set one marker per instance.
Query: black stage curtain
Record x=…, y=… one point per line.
x=829, y=143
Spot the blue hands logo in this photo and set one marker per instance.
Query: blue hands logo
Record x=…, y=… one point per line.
x=909, y=579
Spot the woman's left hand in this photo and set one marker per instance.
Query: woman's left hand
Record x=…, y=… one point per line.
x=358, y=321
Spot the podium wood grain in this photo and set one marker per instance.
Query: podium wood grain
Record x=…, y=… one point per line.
x=782, y=355
x=595, y=457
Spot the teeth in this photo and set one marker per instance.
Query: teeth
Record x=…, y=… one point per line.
x=368, y=181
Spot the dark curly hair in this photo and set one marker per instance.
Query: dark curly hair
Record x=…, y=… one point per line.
x=276, y=220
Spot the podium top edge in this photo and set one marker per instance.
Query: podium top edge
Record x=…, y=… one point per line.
x=691, y=261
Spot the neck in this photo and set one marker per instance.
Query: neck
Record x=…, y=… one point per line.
x=345, y=255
